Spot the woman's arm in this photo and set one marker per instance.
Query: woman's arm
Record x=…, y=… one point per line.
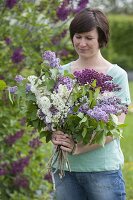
x=81, y=148
x=67, y=144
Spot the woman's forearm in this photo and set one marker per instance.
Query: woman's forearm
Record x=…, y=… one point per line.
x=81, y=148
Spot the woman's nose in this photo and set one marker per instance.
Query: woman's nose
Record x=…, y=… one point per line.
x=82, y=42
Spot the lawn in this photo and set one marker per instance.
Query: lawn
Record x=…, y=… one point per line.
x=127, y=147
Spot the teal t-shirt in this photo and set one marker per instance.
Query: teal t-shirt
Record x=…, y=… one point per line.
x=109, y=157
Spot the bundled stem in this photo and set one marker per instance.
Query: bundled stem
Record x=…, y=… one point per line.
x=61, y=158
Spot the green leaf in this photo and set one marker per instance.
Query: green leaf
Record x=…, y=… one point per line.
x=90, y=95
x=80, y=115
x=32, y=111
x=10, y=97
x=46, y=134
x=67, y=74
x=94, y=83
x=54, y=73
x=97, y=91
x=50, y=84
x=83, y=120
x=31, y=97
x=2, y=85
x=99, y=138
x=122, y=125
x=84, y=132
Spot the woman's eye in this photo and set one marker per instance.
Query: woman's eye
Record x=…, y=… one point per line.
x=78, y=37
x=89, y=38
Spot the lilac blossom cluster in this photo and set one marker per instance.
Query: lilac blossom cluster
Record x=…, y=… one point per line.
x=18, y=166
x=17, y=56
x=10, y=3
x=87, y=76
x=3, y=169
x=35, y=143
x=64, y=81
x=48, y=177
x=63, y=11
x=98, y=114
x=68, y=6
x=8, y=41
x=104, y=108
x=50, y=57
x=11, y=139
x=21, y=182
x=114, y=103
x=19, y=78
x=13, y=89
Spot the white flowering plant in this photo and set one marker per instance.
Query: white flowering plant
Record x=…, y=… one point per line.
x=82, y=104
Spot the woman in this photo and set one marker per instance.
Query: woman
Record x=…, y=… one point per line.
x=96, y=170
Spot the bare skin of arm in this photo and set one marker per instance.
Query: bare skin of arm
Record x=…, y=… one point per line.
x=67, y=143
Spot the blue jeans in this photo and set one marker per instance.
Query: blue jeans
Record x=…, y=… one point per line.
x=105, y=185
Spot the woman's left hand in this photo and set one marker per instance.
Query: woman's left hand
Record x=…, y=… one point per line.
x=65, y=141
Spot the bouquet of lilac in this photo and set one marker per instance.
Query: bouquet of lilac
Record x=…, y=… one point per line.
x=82, y=104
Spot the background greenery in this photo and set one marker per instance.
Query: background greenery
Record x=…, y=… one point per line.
x=29, y=27
x=127, y=147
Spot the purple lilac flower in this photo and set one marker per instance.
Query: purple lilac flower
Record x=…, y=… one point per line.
x=98, y=114
x=64, y=32
x=82, y=4
x=2, y=77
x=51, y=58
x=3, y=169
x=17, y=55
x=10, y=3
x=35, y=143
x=41, y=115
x=114, y=101
x=48, y=177
x=110, y=109
x=23, y=121
x=18, y=166
x=53, y=110
x=87, y=76
x=63, y=11
x=83, y=108
x=19, y=78
x=13, y=89
x=21, y=182
x=11, y=139
x=7, y=40
x=64, y=81
x=56, y=40
x=63, y=53
x=28, y=87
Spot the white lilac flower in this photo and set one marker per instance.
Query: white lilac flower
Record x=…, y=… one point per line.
x=43, y=103
x=32, y=79
x=63, y=91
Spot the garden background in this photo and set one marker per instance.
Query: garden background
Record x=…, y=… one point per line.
x=28, y=28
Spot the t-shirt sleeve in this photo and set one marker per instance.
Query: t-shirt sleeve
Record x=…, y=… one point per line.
x=65, y=67
x=124, y=93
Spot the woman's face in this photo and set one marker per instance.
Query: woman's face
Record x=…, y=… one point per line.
x=86, y=44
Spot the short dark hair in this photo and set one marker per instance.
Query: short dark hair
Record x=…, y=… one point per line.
x=88, y=19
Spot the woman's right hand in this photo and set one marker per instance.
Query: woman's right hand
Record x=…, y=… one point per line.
x=65, y=141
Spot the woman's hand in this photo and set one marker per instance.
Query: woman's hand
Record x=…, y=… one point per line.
x=65, y=141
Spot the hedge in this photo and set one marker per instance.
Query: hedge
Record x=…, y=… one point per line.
x=120, y=48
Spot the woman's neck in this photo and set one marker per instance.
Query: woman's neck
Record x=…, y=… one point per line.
x=96, y=60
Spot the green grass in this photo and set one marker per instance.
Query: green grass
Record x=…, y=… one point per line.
x=127, y=148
